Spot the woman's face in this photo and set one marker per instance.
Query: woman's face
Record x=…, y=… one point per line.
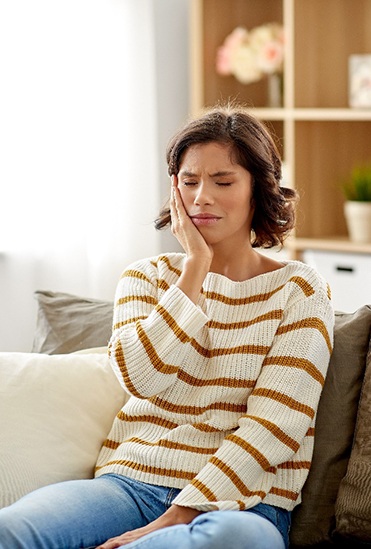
x=216, y=193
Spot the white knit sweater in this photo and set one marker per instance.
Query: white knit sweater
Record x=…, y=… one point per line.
x=223, y=394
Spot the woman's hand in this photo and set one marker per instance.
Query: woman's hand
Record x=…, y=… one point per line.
x=184, y=230
x=174, y=515
x=199, y=253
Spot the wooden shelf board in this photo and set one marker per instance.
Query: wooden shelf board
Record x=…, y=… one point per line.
x=351, y=115
x=335, y=244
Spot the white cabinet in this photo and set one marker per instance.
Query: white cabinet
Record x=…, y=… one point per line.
x=348, y=274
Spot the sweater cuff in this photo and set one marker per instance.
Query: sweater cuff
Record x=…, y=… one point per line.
x=189, y=316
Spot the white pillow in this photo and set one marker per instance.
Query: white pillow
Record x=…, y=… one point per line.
x=55, y=412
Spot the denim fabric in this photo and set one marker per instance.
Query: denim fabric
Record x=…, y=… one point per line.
x=82, y=514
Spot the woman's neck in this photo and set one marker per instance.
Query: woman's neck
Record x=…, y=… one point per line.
x=245, y=264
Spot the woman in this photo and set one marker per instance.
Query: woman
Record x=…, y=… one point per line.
x=223, y=351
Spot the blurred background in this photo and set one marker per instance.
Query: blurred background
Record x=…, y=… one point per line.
x=91, y=91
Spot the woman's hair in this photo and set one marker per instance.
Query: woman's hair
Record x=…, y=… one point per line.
x=253, y=148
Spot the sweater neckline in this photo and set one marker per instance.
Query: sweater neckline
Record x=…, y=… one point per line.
x=215, y=278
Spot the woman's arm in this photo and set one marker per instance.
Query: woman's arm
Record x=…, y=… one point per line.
x=151, y=334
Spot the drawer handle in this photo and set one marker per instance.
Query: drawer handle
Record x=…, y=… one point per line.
x=344, y=269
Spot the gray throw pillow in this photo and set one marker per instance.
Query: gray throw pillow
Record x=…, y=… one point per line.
x=67, y=323
x=313, y=521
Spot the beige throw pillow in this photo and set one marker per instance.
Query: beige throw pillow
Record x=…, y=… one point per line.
x=55, y=412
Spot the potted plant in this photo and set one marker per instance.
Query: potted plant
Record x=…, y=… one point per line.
x=357, y=207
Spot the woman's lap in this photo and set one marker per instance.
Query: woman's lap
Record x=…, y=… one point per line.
x=82, y=514
x=216, y=530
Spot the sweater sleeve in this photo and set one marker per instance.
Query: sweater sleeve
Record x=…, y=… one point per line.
x=150, y=335
x=280, y=410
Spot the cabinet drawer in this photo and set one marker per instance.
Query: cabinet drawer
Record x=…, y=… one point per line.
x=349, y=276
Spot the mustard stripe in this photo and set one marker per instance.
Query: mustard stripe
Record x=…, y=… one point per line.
x=205, y=491
x=242, y=349
x=174, y=473
x=301, y=282
x=288, y=494
x=233, y=477
x=166, y=424
x=180, y=334
x=295, y=465
x=128, y=321
x=164, y=443
x=241, y=504
x=295, y=362
x=272, y=315
x=276, y=431
x=285, y=400
x=236, y=302
x=328, y=291
x=111, y=444
x=204, y=427
x=303, y=285
x=163, y=285
x=152, y=354
x=311, y=322
x=166, y=260
x=120, y=359
x=144, y=298
x=310, y=432
x=196, y=410
x=258, y=456
x=133, y=273
x=216, y=382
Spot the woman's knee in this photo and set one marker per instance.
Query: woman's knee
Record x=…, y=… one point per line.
x=230, y=529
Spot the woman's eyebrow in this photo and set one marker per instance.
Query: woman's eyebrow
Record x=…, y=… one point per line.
x=187, y=173
x=221, y=173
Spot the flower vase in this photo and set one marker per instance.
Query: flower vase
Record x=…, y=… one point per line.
x=275, y=90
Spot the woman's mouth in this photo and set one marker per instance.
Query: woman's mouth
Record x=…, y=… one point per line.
x=203, y=219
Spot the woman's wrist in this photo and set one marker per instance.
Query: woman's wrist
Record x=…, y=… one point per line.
x=181, y=515
x=193, y=276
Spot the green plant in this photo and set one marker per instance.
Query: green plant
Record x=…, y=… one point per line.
x=358, y=186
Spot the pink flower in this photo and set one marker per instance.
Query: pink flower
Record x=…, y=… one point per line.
x=270, y=58
x=248, y=55
x=226, y=52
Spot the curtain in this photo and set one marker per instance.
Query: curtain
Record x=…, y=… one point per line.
x=79, y=168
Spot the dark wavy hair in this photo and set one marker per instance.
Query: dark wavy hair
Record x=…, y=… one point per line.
x=253, y=148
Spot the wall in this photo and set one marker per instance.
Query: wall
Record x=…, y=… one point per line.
x=23, y=272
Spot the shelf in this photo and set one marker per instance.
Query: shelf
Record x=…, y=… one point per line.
x=335, y=244
x=319, y=137
x=314, y=114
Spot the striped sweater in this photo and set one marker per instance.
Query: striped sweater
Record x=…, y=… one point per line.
x=223, y=394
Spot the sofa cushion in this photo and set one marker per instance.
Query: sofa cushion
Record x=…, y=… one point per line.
x=55, y=412
x=313, y=521
x=353, y=504
x=68, y=323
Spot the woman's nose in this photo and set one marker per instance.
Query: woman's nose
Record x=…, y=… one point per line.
x=203, y=194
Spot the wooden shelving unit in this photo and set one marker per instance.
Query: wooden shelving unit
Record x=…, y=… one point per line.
x=319, y=136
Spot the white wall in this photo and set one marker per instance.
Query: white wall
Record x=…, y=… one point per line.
x=24, y=270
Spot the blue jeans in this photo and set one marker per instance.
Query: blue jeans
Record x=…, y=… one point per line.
x=85, y=513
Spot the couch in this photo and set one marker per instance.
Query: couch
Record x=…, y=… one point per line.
x=57, y=403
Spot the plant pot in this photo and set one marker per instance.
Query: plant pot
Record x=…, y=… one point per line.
x=358, y=218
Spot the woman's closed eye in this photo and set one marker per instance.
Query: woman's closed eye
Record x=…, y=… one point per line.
x=218, y=183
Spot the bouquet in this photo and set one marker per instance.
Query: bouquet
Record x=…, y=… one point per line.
x=249, y=55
